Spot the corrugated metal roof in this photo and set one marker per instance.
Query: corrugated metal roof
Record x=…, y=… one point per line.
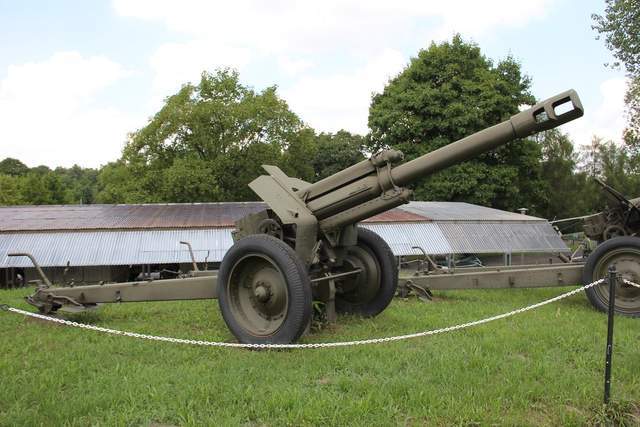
x=396, y=215
x=501, y=237
x=139, y=234
x=460, y=211
x=402, y=237
x=83, y=248
x=211, y=215
x=144, y=216
x=123, y=217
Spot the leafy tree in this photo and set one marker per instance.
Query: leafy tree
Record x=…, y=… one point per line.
x=42, y=189
x=562, y=195
x=79, y=183
x=590, y=157
x=620, y=25
x=40, y=170
x=614, y=164
x=226, y=129
x=189, y=180
x=451, y=90
x=242, y=165
x=13, y=167
x=336, y=152
x=298, y=159
x=117, y=183
x=10, y=190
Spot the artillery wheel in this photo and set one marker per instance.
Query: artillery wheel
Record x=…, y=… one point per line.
x=371, y=291
x=624, y=254
x=264, y=291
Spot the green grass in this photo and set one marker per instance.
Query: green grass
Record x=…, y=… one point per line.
x=540, y=368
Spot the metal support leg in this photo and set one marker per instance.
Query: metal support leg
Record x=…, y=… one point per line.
x=609, y=352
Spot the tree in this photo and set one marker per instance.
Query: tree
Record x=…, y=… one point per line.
x=590, y=161
x=224, y=129
x=450, y=90
x=242, y=165
x=13, y=167
x=563, y=197
x=616, y=165
x=336, y=152
x=298, y=159
x=620, y=26
x=79, y=183
x=612, y=163
x=117, y=183
x=10, y=190
x=39, y=188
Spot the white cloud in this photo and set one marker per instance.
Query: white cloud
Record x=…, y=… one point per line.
x=47, y=115
x=287, y=24
x=332, y=54
x=174, y=64
x=294, y=66
x=341, y=100
x=606, y=119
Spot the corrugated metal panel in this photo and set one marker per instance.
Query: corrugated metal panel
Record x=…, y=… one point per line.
x=474, y=238
x=460, y=211
x=144, y=216
x=210, y=215
x=107, y=217
x=83, y=248
x=397, y=215
x=401, y=237
x=114, y=247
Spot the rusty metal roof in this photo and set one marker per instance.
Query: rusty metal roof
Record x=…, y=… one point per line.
x=150, y=233
x=123, y=217
x=213, y=215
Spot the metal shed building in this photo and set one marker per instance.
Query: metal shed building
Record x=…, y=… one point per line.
x=106, y=240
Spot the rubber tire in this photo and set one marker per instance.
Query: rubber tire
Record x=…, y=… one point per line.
x=596, y=299
x=388, y=277
x=300, y=309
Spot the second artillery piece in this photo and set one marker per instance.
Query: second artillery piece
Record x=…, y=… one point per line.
x=307, y=245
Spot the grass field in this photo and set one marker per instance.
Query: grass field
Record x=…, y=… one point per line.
x=540, y=368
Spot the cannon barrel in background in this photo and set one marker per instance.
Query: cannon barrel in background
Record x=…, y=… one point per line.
x=350, y=195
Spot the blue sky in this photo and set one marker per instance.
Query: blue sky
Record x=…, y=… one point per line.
x=77, y=76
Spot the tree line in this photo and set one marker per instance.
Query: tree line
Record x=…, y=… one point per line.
x=209, y=140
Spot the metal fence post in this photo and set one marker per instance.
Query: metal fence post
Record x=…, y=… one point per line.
x=609, y=353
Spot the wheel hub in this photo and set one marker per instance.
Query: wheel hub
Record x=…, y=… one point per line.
x=262, y=292
x=364, y=286
x=259, y=296
x=627, y=265
x=628, y=270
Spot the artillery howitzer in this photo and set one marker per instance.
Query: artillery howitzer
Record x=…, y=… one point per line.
x=615, y=229
x=621, y=217
x=307, y=246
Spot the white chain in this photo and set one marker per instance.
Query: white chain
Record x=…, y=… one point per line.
x=312, y=345
x=629, y=282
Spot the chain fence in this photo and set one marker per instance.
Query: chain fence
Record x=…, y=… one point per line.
x=306, y=345
x=630, y=283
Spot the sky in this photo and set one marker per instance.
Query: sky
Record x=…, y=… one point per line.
x=76, y=77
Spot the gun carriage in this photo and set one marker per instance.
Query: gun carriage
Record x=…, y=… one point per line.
x=307, y=245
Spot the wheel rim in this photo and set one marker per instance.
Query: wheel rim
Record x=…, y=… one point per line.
x=258, y=294
x=627, y=264
x=362, y=287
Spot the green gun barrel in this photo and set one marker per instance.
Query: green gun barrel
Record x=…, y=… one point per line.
x=349, y=196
